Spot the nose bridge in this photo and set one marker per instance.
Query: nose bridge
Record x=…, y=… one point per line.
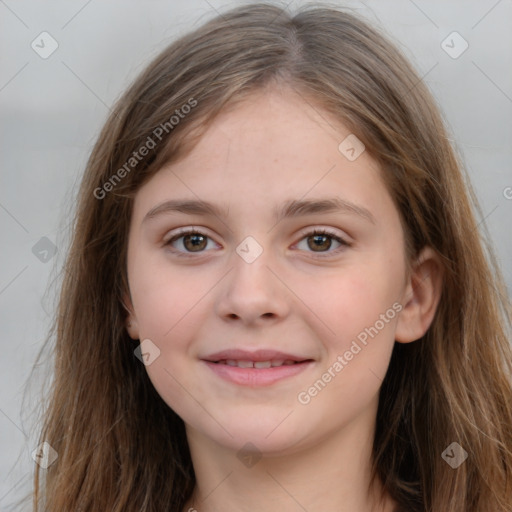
x=252, y=288
x=251, y=266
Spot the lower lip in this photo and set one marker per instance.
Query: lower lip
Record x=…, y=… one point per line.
x=254, y=377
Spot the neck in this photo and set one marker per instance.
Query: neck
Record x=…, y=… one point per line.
x=328, y=474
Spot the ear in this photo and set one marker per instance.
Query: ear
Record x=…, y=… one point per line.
x=131, y=320
x=421, y=297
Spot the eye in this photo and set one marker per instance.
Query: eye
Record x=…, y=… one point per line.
x=195, y=241
x=320, y=239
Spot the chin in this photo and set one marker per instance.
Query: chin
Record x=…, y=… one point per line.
x=270, y=436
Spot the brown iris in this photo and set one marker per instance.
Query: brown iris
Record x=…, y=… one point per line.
x=318, y=238
x=196, y=242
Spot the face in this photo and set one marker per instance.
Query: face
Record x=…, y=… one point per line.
x=259, y=329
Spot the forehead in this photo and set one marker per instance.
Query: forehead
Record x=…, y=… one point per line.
x=271, y=148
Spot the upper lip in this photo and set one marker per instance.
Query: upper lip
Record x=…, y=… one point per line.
x=258, y=355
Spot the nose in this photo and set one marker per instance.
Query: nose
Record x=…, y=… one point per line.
x=254, y=292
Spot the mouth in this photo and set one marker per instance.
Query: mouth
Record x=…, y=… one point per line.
x=253, y=369
x=274, y=363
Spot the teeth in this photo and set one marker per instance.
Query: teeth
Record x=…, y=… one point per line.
x=257, y=364
x=262, y=364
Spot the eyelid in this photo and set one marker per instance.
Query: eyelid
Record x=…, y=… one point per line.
x=185, y=231
x=328, y=231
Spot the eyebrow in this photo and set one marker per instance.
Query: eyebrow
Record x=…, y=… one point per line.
x=291, y=208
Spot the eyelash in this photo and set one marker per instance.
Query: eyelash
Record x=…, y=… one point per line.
x=315, y=232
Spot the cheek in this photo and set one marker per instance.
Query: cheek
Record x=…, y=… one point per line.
x=167, y=306
x=361, y=314
x=164, y=298
x=353, y=301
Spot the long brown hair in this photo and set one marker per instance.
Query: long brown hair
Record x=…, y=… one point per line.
x=120, y=447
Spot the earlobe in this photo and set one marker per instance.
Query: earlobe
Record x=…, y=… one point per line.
x=421, y=297
x=131, y=320
x=133, y=329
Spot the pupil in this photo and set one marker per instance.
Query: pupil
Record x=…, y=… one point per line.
x=318, y=238
x=195, y=243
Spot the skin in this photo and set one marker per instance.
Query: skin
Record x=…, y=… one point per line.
x=315, y=456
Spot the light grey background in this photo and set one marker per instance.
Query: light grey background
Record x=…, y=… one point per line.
x=52, y=110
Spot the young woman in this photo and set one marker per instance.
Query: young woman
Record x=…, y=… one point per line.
x=277, y=296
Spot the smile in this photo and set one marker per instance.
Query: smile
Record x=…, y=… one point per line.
x=257, y=373
x=257, y=364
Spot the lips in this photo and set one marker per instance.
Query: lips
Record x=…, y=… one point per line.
x=257, y=359
x=260, y=368
x=257, y=364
